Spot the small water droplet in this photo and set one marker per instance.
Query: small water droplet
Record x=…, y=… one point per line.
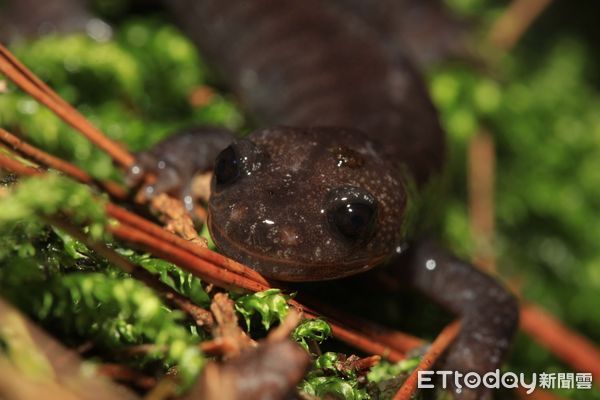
x=430, y=264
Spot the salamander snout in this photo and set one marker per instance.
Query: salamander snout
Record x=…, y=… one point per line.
x=306, y=204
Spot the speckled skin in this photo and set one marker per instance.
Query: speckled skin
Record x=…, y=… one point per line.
x=348, y=115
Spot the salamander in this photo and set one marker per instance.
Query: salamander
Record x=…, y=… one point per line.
x=330, y=185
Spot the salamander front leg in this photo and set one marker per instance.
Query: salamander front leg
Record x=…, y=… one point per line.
x=489, y=312
x=176, y=160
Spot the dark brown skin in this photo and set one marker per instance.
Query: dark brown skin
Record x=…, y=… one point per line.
x=326, y=192
x=424, y=29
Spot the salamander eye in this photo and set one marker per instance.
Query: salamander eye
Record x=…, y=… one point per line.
x=353, y=221
x=227, y=166
x=352, y=213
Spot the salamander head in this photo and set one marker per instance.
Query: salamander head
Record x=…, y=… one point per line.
x=306, y=204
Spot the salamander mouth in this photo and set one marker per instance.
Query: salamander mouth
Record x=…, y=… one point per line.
x=285, y=269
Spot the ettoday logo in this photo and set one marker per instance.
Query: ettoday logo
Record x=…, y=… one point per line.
x=510, y=380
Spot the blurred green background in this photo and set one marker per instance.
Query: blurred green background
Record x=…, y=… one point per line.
x=541, y=103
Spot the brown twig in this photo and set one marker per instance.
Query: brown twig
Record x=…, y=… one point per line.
x=365, y=364
x=437, y=348
x=482, y=158
x=504, y=34
x=515, y=21
x=399, y=341
x=26, y=80
x=572, y=348
x=186, y=260
x=18, y=167
x=357, y=339
x=41, y=157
